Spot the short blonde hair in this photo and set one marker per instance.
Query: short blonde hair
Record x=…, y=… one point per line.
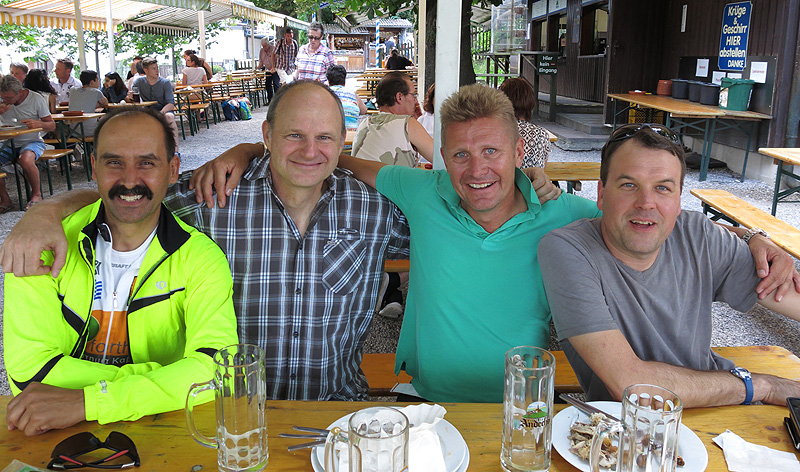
x=479, y=101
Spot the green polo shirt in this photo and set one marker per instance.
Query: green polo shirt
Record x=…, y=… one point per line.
x=473, y=295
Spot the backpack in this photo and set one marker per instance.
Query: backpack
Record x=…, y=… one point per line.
x=244, y=110
x=230, y=110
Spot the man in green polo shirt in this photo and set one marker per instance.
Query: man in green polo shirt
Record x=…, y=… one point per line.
x=475, y=288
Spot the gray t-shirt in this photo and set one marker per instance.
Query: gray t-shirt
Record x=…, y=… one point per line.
x=665, y=311
x=34, y=107
x=160, y=92
x=85, y=99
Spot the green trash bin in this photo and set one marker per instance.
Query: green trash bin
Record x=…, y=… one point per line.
x=735, y=93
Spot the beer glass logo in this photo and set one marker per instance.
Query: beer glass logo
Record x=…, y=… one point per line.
x=535, y=416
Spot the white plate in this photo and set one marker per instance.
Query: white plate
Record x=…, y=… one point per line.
x=690, y=447
x=454, y=448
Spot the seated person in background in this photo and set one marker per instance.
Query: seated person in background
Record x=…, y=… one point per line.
x=393, y=136
x=200, y=62
x=114, y=88
x=140, y=307
x=21, y=106
x=427, y=119
x=139, y=73
x=18, y=70
x=64, y=80
x=353, y=106
x=133, y=69
x=87, y=99
x=536, y=138
x=194, y=73
x=158, y=89
x=37, y=81
x=397, y=62
x=631, y=291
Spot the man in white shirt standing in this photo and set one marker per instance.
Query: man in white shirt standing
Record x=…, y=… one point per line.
x=64, y=80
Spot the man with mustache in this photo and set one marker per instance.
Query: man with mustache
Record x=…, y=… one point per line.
x=140, y=307
x=631, y=291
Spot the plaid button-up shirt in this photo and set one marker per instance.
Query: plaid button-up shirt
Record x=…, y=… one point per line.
x=308, y=300
x=285, y=55
x=314, y=66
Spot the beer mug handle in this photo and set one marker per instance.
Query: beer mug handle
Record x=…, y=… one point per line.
x=336, y=434
x=194, y=390
x=603, y=429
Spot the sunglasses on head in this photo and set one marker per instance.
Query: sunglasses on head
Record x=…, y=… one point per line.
x=626, y=131
x=67, y=453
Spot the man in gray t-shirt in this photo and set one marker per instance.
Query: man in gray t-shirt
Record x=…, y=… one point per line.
x=87, y=99
x=154, y=88
x=631, y=291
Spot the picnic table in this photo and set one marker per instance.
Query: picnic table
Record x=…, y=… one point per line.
x=164, y=444
x=132, y=104
x=8, y=135
x=683, y=115
x=782, y=157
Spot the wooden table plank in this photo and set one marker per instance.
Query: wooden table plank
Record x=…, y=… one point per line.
x=573, y=170
x=783, y=234
x=669, y=104
x=787, y=155
x=165, y=445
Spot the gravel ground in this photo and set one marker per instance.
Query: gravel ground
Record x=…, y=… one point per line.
x=731, y=328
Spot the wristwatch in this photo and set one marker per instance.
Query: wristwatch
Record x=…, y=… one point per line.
x=744, y=374
x=752, y=232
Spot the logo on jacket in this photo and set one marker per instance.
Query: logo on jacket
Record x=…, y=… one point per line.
x=161, y=285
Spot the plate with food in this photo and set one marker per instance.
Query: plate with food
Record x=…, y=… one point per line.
x=73, y=113
x=454, y=448
x=691, y=449
x=12, y=127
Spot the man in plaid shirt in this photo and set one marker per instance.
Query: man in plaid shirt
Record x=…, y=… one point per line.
x=314, y=58
x=306, y=243
x=285, y=55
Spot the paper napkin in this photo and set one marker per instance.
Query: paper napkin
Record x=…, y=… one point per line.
x=743, y=456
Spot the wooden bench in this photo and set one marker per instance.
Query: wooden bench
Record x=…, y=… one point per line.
x=723, y=205
x=774, y=360
x=54, y=155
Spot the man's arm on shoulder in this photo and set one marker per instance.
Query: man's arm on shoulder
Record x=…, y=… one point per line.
x=225, y=171
x=544, y=188
x=364, y=170
x=40, y=230
x=775, y=266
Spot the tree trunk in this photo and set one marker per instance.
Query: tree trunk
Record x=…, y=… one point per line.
x=466, y=73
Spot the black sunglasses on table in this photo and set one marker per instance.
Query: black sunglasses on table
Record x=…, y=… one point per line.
x=626, y=131
x=67, y=453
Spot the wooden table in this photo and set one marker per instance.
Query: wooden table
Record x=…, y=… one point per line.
x=8, y=136
x=781, y=156
x=65, y=132
x=683, y=115
x=132, y=104
x=164, y=444
x=572, y=172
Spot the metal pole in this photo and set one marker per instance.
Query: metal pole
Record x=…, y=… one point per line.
x=79, y=29
x=112, y=52
x=419, y=43
x=448, y=62
x=201, y=27
x=253, y=41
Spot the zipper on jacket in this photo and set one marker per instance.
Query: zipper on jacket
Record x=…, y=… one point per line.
x=110, y=324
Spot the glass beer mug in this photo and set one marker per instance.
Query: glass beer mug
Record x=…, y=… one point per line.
x=240, y=392
x=648, y=431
